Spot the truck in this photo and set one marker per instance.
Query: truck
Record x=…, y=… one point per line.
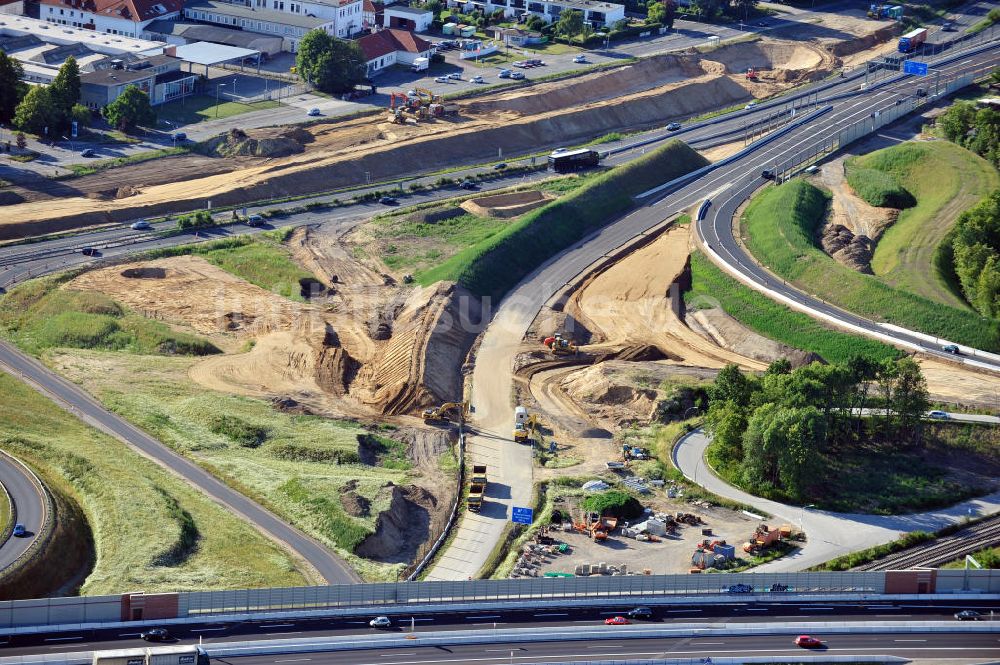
x=172, y=655
x=475, y=500
x=911, y=40
x=421, y=64
x=573, y=160
x=479, y=475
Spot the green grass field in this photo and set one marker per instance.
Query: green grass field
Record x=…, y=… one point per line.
x=203, y=107
x=945, y=179
x=294, y=464
x=152, y=531
x=37, y=315
x=780, y=224
x=5, y=514
x=494, y=265
x=711, y=287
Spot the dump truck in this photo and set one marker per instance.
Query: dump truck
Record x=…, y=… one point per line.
x=479, y=475
x=911, y=40
x=475, y=500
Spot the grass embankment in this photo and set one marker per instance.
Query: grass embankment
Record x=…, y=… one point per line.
x=5, y=512
x=297, y=465
x=781, y=225
x=417, y=240
x=494, y=265
x=151, y=530
x=38, y=315
x=709, y=285
x=261, y=260
x=939, y=180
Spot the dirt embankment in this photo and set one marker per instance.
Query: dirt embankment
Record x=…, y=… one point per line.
x=548, y=114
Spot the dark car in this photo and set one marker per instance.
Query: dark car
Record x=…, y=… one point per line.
x=19, y=531
x=921, y=92
x=642, y=613
x=155, y=635
x=948, y=26
x=952, y=349
x=87, y=153
x=767, y=174
x=388, y=201
x=89, y=251
x=968, y=615
x=180, y=136
x=500, y=167
x=673, y=127
x=468, y=184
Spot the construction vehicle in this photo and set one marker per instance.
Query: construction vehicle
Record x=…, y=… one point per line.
x=762, y=537
x=752, y=74
x=440, y=110
x=600, y=527
x=560, y=346
x=444, y=412
x=880, y=11
x=478, y=476
x=524, y=425
x=475, y=500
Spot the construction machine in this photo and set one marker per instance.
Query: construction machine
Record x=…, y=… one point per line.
x=752, y=74
x=426, y=97
x=444, y=412
x=524, y=425
x=560, y=346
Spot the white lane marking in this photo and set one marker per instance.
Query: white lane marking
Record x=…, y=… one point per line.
x=706, y=644
x=679, y=611
x=68, y=646
x=290, y=632
x=909, y=640
x=293, y=660
x=390, y=655
x=486, y=616
x=556, y=614
x=206, y=630
x=357, y=622
x=63, y=639
x=276, y=625
x=607, y=646
x=128, y=634
x=814, y=608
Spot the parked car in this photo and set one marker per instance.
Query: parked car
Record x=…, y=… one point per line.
x=255, y=220
x=90, y=251
x=504, y=74
x=141, y=225
x=579, y=58
x=617, y=621
x=313, y=112
x=518, y=63
x=673, y=127
x=517, y=76
x=442, y=79
x=180, y=136
x=952, y=349
x=937, y=415
x=87, y=153
x=535, y=62
x=19, y=531
x=155, y=635
x=968, y=615
x=455, y=76
x=500, y=167
x=380, y=622
x=388, y=201
x=807, y=642
x=477, y=79
x=643, y=613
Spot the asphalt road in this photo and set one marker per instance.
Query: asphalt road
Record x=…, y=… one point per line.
x=828, y=534
x=326, y=563
x=749, y=613
x=29, y=505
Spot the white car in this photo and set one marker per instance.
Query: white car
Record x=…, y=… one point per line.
x=313, y=112
x=477, y=79
x=442, y=79
x=380, y=622
x=141, y=225
x=578, y=59
x=750, y=105
x=455, y=76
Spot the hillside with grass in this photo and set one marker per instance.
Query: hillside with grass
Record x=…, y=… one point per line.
x=931, y=183
x=150, y=529
x=494, y=265
x=781, y=225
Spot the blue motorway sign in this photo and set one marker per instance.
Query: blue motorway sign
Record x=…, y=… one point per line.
x=914, y=67
x=521, y=515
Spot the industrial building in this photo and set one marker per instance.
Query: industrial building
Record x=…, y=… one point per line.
x=595, y=12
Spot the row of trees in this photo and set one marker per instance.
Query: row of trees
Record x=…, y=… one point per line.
x=977, y=129
x=777, y=428
x=50, y=110
x=975, y=250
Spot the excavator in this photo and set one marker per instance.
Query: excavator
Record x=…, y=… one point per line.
x=560, y=346
x=752, y=74
x=441, y=413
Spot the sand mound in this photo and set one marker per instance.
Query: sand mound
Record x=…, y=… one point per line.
x=506, y=205
x=237, y=143
x=400, y=528
x=780, y=61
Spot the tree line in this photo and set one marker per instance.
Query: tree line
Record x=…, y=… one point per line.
x=50, y=110
x=777, y=428
x=974, y=245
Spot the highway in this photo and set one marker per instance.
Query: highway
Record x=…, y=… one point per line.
x=802, y=612
x=30, y=508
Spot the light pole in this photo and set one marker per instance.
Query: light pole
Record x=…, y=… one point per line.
x=801, y=511
x=217, y=87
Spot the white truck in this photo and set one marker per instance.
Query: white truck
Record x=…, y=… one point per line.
x=421, y=64
x=172, y=655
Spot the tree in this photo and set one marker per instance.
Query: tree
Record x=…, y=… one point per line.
x=669, y=13
x=81, y=115
x=130, y=110
x=910, y=399
x=330, y=64
x=744, y=7
x=35, y=113
x=570, y=23
x=65, y=89
x=655, y=11
x=21, y=141
x=11, y=87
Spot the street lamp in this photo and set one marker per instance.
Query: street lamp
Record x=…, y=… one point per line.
x=217, y=87
x=801, y=511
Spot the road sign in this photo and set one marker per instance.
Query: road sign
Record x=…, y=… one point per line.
x=914, y=67
x=73, y=129
x=521, y=515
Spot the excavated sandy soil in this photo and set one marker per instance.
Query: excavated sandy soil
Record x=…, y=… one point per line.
x=635, y=96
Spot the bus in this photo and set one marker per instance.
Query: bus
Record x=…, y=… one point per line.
x=562, y=161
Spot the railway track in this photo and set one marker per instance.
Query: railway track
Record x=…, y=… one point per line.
x=945, y=549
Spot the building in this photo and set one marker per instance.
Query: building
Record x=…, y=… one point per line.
x=595, y=12
x=391, y=46
x=159, y=76
x=346, y=16
x=516, y=36
x=181, y=32
x=413, y=19
x=114, y=17
x=369, y=15
x=290, y=27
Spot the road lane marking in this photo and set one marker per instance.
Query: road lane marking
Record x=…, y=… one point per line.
x=391, y=655
x=291, y=632
x=63, y=639
x=909, y=640
x=706, y=644
x=129, y=634
x=556, y=614
x=487, y=616
x=293, y=660
x=205, y=630
x=68, y=646
x=276, y=625
x=607, y=646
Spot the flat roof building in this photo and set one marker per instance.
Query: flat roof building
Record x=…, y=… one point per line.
x=595, y=12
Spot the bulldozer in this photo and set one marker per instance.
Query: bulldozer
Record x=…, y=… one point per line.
x=560, y=346
x=441, y=414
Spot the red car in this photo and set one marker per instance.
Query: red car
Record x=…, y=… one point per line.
x=617, y=621
x=807, y=642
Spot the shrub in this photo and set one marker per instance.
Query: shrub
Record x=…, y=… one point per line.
x=879, y=189
x=238, y=430
x=614, y=503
